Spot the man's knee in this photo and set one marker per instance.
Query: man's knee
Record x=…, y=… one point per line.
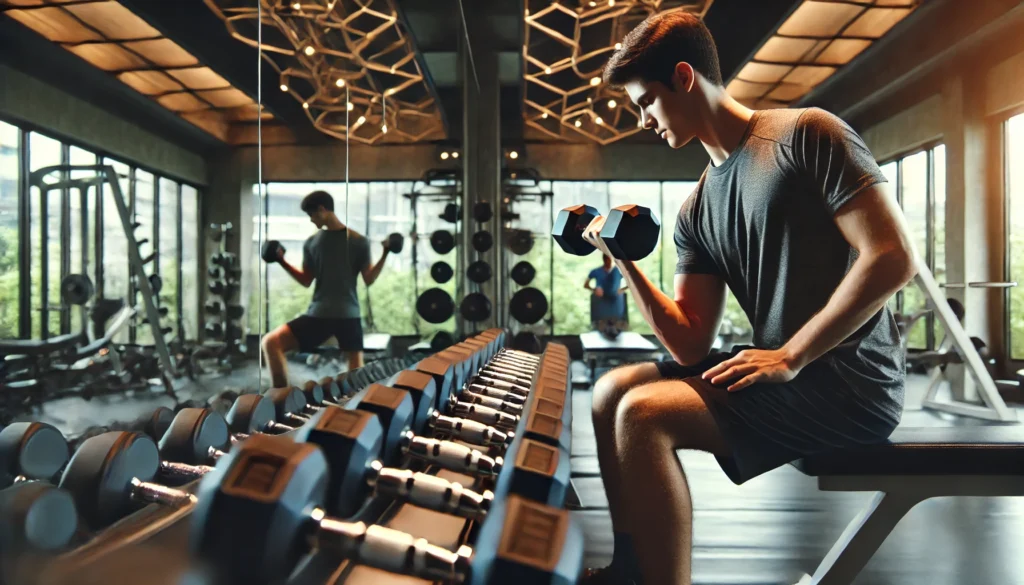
x=611, y=387
x=275, y=341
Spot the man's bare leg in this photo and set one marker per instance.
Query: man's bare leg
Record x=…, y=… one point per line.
x=355, y=359
x=275, y=345
x=652, y=422
x=608, y=392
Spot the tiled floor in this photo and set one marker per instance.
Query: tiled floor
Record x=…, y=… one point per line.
x=777, y=527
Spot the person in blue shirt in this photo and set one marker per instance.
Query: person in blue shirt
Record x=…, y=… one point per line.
x=609, y=304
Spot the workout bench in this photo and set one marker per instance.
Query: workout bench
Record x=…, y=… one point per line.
x=914, y=465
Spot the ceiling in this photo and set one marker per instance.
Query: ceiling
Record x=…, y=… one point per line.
x=403, y=65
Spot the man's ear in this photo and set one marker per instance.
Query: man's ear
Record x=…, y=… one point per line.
x=683, y=77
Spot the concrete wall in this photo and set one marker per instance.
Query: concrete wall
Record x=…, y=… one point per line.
x=26, y=99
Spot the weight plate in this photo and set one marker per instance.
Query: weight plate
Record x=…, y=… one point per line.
x=482, y=241
x=441, y=271
x=482, y=211
x=526, y=341
x=475, y=307
x=479, y=272
x=520, y=242
x=451, y=213
x=76, y=289
x=523, y=273
x=435, y=305
x=441, y=340
x=442, y=241
x=156, y=283
x=528, y=305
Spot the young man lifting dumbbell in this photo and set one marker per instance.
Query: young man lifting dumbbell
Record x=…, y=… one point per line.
x=792, y=215
x=333, y=257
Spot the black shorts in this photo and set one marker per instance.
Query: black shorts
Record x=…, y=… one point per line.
x=766, y=426
x=312, y=332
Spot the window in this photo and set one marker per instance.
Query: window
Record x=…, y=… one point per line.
x=146, y=236
x=919, y=183
x=168, y=243
x=1014, y=148
x=82, y=250
x=190, y=309
x=387, y=212
x=45, y=241
x=10, y=283
x=115, y=244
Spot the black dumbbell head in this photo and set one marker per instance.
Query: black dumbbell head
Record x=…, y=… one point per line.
x=569, y=226
x=35, y=450
x=479, y=271
x=482, y=241
x=287, y=400
x=36, y=516
x=482, y=211
x=249, y=414
x=394, y=408
x=424, y=394
x=350, y=440
x=155, y=424
x=270, y=250
x=441, y=271
x=631, y=232
x=253, y=513
x=191, y=434
x=523, y=273
x=442, y=241
x=100, y=473
x=396, y=243
x=313, y=392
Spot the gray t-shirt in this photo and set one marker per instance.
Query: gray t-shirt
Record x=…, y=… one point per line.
x=763, y=222
x=335, y=258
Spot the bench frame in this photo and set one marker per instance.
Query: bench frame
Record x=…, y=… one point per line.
x=896, y=495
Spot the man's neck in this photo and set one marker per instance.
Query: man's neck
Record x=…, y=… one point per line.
x=725, y=123
x=334, y=224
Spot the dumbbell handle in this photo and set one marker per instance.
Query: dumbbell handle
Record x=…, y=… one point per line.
x=390, y=550
x=469, y=430
x=512, y=364
x=483, y=414
x=518, y=354
x=504, y=395
x=451, y=455
x=503, y=375
x=512, y=368
x=151, y=493
x=184, y=471
x=494, y=402
x=429, y=491
x=502, y=384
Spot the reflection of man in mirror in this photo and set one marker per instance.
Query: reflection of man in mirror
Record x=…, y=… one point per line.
x=608, y=303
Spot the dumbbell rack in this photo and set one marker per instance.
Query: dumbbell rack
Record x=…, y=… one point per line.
x=161, y=534
x=142, y=282
x=223, y=322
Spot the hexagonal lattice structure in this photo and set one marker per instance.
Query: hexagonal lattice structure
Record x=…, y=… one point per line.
x=565, y=50
x=348, y=62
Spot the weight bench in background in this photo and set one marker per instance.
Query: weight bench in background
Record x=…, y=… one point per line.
x=628, y=346
x=913, y=466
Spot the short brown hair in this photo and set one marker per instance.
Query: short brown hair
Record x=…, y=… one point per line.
x=651, y=51
x=316, y=200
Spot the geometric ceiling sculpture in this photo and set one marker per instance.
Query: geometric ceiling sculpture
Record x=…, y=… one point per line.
x=564, y=52
x=113, y=39
x=818, y=38
x=348, y=62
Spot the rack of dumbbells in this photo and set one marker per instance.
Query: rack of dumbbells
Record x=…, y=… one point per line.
x=223, y=329
x=454, y=470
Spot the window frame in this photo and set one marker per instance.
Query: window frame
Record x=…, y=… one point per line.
x=1000, y=130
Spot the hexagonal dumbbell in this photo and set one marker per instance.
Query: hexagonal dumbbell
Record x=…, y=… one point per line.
x=630, y=232
x=275, y=482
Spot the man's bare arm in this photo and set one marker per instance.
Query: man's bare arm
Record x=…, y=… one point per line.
x=301, y=276
x=686, y=325
x=886, y=262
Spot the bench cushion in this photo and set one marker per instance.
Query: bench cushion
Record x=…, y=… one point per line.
x=974, y=450
x=39, y=346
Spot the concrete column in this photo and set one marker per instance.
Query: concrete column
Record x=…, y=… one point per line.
x=481, y=147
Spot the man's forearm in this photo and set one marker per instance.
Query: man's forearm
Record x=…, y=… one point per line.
x=667, y=319
x=295, y=273
x=868, y=285
x=371, y=277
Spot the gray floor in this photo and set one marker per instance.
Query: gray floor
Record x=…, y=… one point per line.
x=777, y=527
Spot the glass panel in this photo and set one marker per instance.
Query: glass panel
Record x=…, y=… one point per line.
x=891, y=172
x=939, y=235
x=1015, y=196
x=389, y=212
x=169, y=252
x=572, y=306
x=115, y=244
x=914, y=186
x=81, y=236
x=647, y=194
x=190, y=263
x=10, y=170
x=43, y=152
x=145, y=234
